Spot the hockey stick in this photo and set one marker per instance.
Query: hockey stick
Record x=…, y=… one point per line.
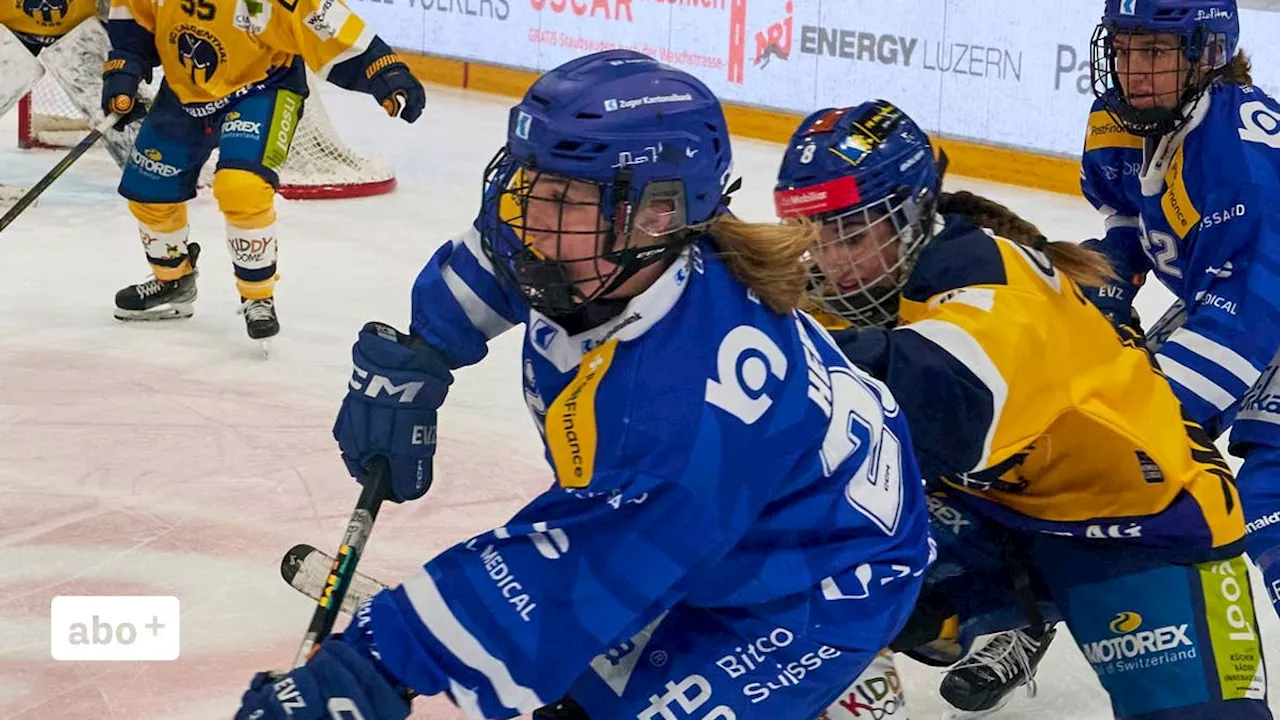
x=306, y=569
x=58, y=169
x=1161, y=329
x=343, y=568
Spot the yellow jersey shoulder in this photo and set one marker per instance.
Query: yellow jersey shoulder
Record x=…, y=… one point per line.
x=213, y=49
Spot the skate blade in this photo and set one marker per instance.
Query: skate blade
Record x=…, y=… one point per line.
x=177, y=311
x=956, y=714
x=265, y=347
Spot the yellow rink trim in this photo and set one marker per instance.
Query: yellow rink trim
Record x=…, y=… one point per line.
x=974, y=160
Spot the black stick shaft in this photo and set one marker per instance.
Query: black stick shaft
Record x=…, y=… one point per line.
x=344, y=564
x=56, y=172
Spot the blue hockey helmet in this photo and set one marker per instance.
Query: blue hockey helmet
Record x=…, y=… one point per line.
x=868, y=174
x=1150, y=59
x=612, y=162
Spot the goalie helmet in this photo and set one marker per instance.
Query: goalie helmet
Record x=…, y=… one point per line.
x=868, y=174
x=1151, y=59
x=612, y=161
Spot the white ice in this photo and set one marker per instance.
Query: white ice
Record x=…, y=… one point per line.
x=171, y=459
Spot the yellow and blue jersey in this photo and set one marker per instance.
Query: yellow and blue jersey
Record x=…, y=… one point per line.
x=214, y=52
x=710, y=457
x=1021, y=394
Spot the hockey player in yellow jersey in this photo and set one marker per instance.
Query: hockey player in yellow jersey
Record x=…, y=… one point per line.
x=1065, y=483
x=39, y=23
x=234, y=80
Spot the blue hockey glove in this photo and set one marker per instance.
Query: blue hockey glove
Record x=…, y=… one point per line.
x=395, y=88
x=120, y=80
x=340, y=680
x=396, y=386
x=1115, y=299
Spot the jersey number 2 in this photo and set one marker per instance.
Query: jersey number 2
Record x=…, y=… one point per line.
x=1162, y=248
x=857, y=421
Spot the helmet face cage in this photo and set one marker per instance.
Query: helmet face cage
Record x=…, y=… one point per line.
x=1201, y=57
x=566, y=243
x=864, y=276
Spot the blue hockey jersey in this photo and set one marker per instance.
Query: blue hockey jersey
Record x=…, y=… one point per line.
x=711, y=456
x=1198, y=207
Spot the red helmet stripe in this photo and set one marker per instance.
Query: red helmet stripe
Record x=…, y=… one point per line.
x=825, y=197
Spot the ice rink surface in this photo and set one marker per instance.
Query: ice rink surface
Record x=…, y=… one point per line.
x=171, y=459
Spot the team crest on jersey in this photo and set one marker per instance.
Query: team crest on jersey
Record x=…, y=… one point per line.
x=46, y=12
x=199, y=52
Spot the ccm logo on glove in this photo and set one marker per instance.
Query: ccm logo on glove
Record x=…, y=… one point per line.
x=379, y=384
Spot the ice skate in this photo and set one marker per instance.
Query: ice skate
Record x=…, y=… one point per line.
x=157, y=299
x=983, y=683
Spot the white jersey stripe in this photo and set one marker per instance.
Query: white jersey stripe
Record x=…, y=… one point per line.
x=1208, y=390
x=454, y=636
x=1216, y=353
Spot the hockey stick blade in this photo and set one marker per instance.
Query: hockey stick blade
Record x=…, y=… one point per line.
x=306, y=569
x=36, y=190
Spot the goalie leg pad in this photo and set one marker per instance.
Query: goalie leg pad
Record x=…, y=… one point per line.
x=75, y=62
x=19, y=70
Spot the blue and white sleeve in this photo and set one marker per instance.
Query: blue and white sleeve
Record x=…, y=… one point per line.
x=459, y=305
x=1232, y=330
x=505, y=622
x=1102, y=182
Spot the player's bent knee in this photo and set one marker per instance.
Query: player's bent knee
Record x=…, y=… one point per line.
x=161, y=217
x=245, y=198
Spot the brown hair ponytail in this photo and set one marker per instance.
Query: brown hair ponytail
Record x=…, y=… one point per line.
x=767, y=257
x=1085, y=267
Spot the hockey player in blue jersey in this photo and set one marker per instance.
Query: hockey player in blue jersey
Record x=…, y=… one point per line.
x=1183, y=157
x=737, y=524
x=1063, y=481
